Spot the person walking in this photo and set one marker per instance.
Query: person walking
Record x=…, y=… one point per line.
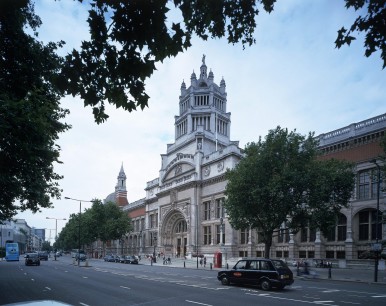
x=204, y=262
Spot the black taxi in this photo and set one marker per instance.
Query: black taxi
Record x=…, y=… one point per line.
x=266, y=273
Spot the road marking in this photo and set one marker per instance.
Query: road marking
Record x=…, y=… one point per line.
x=48, y=288
x=331, y=290
x=350, y=303
x=197, y=303
x=293, y=300
x=85, y=276
x=125, y=287
x=83, y=304
x=32, y=279
x=378, y=296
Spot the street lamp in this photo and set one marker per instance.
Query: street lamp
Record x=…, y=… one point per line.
x=56, y=225
x=80, y=213
x=377, y=246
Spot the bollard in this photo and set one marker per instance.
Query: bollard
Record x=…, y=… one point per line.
x=227, y=266
x=210, y=266
x=184, y=263
x=329, y=271
x=297, y=270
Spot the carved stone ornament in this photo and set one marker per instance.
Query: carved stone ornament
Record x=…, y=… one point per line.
x=173, y=196
x=178, y=169
x=220, y=166
x=207, y=171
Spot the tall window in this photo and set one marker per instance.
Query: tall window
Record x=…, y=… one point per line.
x=206, y=210
x=218, y=234
x=338, y=232
x=181, y=227
x=219, y=208
x=283, y=235
x=342, y=227
x=367, y=225
x=207, y=235
x=367, y=184
x=244, y=236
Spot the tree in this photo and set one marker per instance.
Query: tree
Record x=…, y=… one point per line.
x=127, y=39
x=373, y=24
x=102, y=221
x=30, y=114
x=281, y=183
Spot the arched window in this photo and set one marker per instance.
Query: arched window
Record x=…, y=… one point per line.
x=367, y=225
x=181, y=227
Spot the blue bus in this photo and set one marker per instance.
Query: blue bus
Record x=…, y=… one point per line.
x=12, y=251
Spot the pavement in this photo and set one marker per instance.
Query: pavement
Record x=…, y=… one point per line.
x=335, y=274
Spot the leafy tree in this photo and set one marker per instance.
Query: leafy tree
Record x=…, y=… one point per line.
x=281, y=182
x=30, y=114
x=46, y=246
x=372, y=23
x=127, y=39
x=102, y=221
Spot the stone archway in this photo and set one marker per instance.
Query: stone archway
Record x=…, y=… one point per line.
x=174, y=234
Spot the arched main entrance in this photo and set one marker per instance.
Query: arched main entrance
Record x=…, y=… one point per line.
x=174, y=234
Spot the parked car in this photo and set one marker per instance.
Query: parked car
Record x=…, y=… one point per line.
x=266, y=273
x=120, y=258
x=43, y=255
x=32, y=259
x=109, y=258
x=131, y=260
x=80, y=256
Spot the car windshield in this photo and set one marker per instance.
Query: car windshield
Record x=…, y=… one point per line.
x=279, y=264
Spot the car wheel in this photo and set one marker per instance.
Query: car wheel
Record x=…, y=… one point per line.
x=265, y=285
x=224, y=281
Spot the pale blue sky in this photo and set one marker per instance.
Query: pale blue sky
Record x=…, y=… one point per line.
x=293, y=77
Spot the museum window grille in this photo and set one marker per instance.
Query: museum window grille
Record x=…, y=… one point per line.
x=367, y=184
x=367, y=225
x=207, y=235
x=283, y=235
x=207, y=210
x=220, y=210
x=339, y=231
x=308, y=235
x=244, y=236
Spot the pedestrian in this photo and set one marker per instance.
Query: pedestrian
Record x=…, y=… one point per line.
x=201, y=262
x=204, y=262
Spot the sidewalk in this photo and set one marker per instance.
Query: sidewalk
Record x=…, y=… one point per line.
x=337, y=274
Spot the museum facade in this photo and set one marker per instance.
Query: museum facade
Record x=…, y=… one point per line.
x=182, y=213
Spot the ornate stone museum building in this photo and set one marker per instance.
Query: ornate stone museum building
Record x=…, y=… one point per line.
x=182, y=212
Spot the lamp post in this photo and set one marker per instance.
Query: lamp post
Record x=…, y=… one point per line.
x=140, y=242
x=377, y=247
x=80, y=213
x=56, y=230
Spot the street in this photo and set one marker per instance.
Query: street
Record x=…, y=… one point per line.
x=104, y=283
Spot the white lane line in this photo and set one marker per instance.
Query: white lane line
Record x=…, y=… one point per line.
x=85, y=276
x=48, y=288
x=197, y=303
x=344, y=302
x=32, y=279
x=378, y=296
x=125, y=287
x=293, y=300
x=83, y=304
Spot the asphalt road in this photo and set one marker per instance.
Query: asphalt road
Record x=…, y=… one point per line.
x=103, y=283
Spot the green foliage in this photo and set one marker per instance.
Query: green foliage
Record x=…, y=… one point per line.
x=30, y=114
x=372, y=23
x=101, y=221
x=46, y=246
x=281, y=181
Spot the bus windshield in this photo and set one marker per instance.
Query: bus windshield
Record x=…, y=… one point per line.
x=12, y=251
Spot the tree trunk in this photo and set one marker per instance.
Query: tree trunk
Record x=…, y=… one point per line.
x=267, y=247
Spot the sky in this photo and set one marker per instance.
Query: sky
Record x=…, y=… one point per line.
x=293, y=77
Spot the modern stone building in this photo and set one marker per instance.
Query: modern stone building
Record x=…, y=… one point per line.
x=182, y=213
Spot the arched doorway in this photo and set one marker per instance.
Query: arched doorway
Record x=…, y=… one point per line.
x=174, y=234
